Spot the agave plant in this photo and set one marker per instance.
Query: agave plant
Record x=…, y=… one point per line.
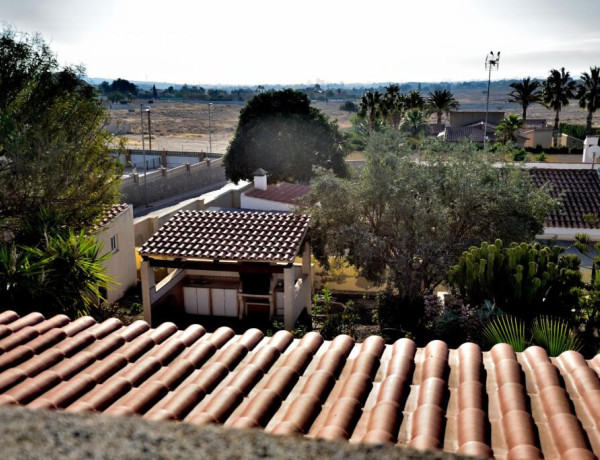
x=554, y=335
x=506, y=329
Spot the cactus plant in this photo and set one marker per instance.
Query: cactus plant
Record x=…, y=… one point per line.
x=525, y=279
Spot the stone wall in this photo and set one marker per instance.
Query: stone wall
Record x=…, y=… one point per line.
x=165, y=183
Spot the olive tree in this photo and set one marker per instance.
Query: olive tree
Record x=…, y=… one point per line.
x=405, y=221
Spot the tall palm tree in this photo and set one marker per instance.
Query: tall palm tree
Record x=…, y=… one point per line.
x=557, y=89
x=508, y=128
x=371, y=105
x=414, y=100
x=525, y=93
x=393, y=105
x=414, y=123
x=588, y=93
x=441, y=101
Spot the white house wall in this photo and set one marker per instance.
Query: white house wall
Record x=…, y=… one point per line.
x=259, y=204
x=121, y=265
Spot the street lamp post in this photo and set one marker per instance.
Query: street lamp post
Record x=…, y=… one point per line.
x=142, y=110
x=492, y=62
x=209, y=129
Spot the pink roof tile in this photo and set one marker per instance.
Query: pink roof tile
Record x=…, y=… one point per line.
x=283, y=192
x=230, y=235
x=468, y=401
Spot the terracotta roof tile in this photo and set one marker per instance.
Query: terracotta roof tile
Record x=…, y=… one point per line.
x=110, y=214
x=283, y=192
x=483, y=403
x=577, y=189
x=230, y=235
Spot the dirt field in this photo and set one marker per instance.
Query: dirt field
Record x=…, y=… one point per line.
x=183, y=126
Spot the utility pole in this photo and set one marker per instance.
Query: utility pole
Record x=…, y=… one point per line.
x=492, y=62
x=209, y=129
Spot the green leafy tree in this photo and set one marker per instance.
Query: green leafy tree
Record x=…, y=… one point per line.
x=440, y=102
x=371, y=108
x=404, y=223
x=508, y=128
x=53, y=145
x=279, y=131
x=557, y=89
x=588, y=93
x=154, y=92
x=523, y=279
x=124, y=87
x=525, y=93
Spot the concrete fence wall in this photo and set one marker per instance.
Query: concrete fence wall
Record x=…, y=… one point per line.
x=164, y=183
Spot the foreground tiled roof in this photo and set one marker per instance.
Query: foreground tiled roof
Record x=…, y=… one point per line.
x=111, y=213
x=578, y=190
x=230, y=235
x=284, y=192
x=499, y=403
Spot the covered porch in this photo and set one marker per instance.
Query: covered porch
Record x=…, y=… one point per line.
x=226, y=287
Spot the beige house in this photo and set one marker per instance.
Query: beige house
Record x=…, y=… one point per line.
x=228, y=264
x=115, y=233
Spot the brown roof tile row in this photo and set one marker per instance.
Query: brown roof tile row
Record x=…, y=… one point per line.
x=230, y=235
x=577, y=189
x=497, y=403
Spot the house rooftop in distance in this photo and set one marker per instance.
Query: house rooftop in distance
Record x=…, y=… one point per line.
x=283, y=192
x=252, y=236
x=468, y=401
x=578, y=190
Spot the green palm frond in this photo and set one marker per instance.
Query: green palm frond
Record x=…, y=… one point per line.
x=506, y=329
x=554, y=335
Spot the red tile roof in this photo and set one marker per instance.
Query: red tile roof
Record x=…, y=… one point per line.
x=578, y=190
x=501, y=403
x=284, y=192
x=111, y=213
x=230, y=235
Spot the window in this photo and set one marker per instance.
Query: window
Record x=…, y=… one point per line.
x=114, y=247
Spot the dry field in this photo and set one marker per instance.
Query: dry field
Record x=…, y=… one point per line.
x=183, y=126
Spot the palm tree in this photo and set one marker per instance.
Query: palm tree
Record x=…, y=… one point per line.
x=414, y=100
x=414, y=123
x=441, y=101
x=557, y=89
x=371, y=107
x=588, y=93
x=393, y=105
x=525, y=93
x=508, y=128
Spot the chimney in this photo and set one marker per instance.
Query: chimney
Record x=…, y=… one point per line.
x=260, y=179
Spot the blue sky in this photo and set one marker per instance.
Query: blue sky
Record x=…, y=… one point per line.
x=269, y=42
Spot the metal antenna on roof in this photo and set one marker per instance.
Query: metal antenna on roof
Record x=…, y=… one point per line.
x=492, y=62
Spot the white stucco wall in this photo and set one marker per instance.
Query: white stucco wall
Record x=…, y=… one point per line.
x=248, y=202
x=121, y=265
